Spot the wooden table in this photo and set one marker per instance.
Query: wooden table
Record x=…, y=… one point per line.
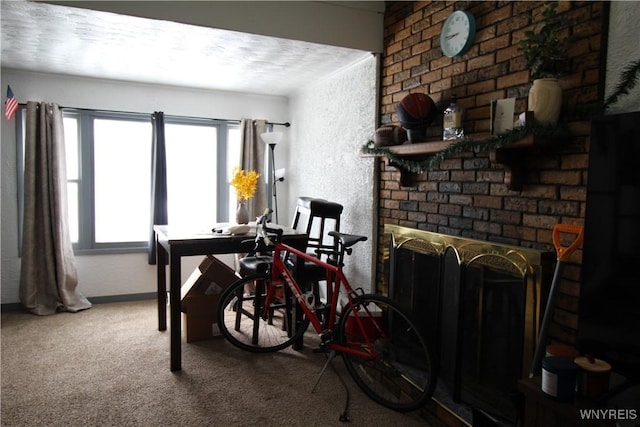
x=174, y=243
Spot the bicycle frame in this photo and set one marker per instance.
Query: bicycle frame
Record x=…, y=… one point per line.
x=336, y=279
x=382, y=349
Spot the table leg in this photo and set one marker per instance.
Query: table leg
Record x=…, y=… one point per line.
x=175, y=313
x=161, y=260
x=298, y=273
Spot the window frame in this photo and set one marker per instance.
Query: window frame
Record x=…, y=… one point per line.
x=222, y=178
x=86, y=192
x=86, y=244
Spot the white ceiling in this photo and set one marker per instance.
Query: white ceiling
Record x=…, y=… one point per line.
x=65, y=40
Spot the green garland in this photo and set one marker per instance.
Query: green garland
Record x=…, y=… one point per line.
x=468, y=144
x=628, y=80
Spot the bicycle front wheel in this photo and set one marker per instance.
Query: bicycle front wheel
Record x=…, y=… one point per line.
x=241, y=321
x=399, y=373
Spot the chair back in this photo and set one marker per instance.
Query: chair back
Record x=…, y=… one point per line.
x=316, y=217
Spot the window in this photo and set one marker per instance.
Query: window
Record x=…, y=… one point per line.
x=121, y=181
x=109, y=176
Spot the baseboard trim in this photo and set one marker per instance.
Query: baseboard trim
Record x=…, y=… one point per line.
x=123, y=298
x=16, y=306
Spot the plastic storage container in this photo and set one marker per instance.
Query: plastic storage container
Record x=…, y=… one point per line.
x=559, y=378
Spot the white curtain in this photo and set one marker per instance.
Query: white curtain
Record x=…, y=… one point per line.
x=252, y=158
x=48, y=278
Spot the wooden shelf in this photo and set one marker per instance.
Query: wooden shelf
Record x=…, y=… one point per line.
x=420, y=148
x=511, y=157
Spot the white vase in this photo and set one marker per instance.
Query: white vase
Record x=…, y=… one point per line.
x=545, y=100
x=242, y=214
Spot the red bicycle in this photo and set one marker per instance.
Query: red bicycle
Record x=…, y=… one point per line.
x=381, y=347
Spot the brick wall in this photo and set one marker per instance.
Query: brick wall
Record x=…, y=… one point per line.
x=466, y=195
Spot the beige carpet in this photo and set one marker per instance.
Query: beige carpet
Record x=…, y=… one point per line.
x=109, y=366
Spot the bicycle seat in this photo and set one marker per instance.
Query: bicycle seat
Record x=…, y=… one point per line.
x=255, y=264
x=347, y=240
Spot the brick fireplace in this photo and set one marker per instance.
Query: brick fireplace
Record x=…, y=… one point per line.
x=466, y=194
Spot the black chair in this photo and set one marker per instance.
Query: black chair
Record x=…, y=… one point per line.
x=313, y=217
x=316, y=217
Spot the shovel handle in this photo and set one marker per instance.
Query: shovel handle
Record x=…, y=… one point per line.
x=564, y=252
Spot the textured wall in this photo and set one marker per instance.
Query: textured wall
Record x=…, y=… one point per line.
x=623, y=47
x=331, y=119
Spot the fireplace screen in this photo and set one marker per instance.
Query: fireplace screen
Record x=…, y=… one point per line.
x=478, y=304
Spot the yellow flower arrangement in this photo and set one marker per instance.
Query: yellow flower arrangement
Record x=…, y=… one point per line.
x=245, y=183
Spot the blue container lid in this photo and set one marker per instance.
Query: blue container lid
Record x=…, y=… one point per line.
x=559, y=365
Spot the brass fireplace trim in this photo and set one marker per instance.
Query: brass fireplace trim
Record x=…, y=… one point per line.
x=534, y=265
x=462, y=244
x=422, y=246
x=503, y=263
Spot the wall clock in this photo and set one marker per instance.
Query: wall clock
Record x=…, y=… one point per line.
x=457, y=33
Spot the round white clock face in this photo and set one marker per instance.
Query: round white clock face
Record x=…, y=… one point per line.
x=457, y=33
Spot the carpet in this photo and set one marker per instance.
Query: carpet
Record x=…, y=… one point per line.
x=109, y=366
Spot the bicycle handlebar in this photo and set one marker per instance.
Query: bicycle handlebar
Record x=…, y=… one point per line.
x=262, y=232
x=262, y=221
x=345, y=241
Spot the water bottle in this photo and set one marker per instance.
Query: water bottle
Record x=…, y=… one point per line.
x=452, y=121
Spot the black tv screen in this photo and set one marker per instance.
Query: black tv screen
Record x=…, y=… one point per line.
x=609, y=311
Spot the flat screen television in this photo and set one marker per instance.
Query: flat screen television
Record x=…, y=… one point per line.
x=609, y=310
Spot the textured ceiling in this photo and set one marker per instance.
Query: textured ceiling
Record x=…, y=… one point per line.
x=57, y=39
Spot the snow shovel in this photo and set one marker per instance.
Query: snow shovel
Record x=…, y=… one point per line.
x=563, y=254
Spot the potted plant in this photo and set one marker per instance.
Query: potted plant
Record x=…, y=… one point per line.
x=546, y=56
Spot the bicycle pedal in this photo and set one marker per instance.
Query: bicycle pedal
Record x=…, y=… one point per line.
x=326, y=337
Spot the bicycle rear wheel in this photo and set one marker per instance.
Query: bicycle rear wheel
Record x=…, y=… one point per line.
x=401, y=375
x=240, y=316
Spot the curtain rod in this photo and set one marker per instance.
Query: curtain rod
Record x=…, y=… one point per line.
x=234, y=121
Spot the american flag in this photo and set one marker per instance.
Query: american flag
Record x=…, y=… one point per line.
x=10, y=105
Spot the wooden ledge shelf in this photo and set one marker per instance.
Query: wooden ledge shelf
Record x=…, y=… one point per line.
x=419, y=148
x=512, y=157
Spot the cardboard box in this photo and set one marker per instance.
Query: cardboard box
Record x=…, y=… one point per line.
x=200, y=296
